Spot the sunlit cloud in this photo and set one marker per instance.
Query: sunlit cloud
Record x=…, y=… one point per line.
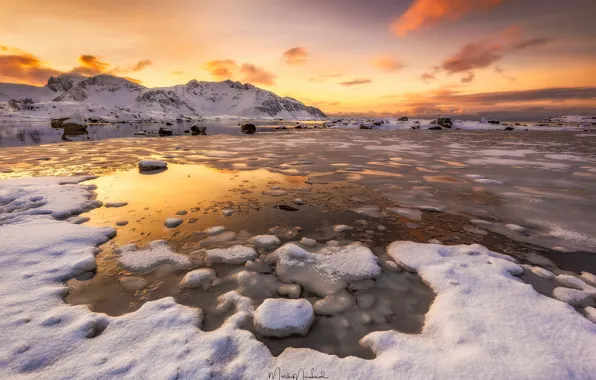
x=424, y=13
x=468, y=78
x=324, y=78
x=90, y=65
x=141, y=65
x=388, y=64
x=296, y=56
x=252, y=74
x=355, y=82
x=22, y=67
x=222, y=68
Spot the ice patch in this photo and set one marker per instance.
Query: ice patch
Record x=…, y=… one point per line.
x=283, y=317
x=410, y=213
x=264, y=241
x=214, y=230
x=198, y=278
x=237, y=254
x=155, y=254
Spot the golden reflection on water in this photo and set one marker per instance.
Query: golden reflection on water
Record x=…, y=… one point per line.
x=199, y=190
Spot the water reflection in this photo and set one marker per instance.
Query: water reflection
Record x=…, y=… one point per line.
x=23, y=133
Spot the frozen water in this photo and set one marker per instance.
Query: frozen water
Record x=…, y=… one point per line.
x=335, y=303
x=574, y=297
x=283, y=317
x=264, y=241
x=215, y=230
x=198, y=278
x=236, y=254
x=135, y=259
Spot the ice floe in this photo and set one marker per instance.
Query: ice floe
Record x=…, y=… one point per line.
x=135, y=259
x=283, y=317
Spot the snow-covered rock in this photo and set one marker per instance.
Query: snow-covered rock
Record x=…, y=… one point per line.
x=135, y=259
x=198, y=278
x=265, y=241
x=173, y=222
x=237, y=254
x=282, y=317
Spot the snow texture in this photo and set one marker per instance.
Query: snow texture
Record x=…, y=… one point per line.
x=237, y=254
x=155, y=254
x=282, y=317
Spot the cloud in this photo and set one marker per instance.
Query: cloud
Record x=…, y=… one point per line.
x=90, y=65
x=252, y=74
x=468, y=78
x=532, y=42
x=22, y=67
x=222, y=68
x=388, y=64
x=486, y=52
x=428, y=77
x=355, y=82
x=296, y=56
x=424, y=13
x=177, y=72
x=141, y=65
x=324, y=77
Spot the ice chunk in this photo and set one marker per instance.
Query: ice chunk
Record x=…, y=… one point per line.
x=172, y=222
x=132, y=283
x=591, y=313
x=410, y=213
x=282, y=317
x=264, y=241
x=574, y=297
x=115, y=204
x=227, y=212
x=515, y=227
x=372, y=211
x=589, y=278
x=342, y=228
x=571, y=281
x=198, y=278
x=222, y=237
x=365, y=301
x=544, y=273
x=152, y=165
x=299, y=201
x=237, y=254
x=290, y=290
x=214, y=230
x=308, y=242
x=335, y=303
x=328, y=270
x=155, y=254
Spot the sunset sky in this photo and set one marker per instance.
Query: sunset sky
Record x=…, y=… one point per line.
x=421, y=57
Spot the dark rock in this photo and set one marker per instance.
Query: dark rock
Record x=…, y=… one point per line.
x=281, y=127
x=168, y=123
x=494, y=122
x=509, y=129
x=198, y=131
x=405, y=118
x=287, y=208
x=165, y=132
x=366, y=126
x=445, y=122
x=248, y=129
x=437, y=128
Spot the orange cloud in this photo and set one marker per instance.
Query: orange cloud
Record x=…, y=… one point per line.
x=252, y=74
x=423, y=13
x=296, y=56
x=22, y=67
x=388, y=64
x=90, y=65
x=221, y=68
x=141, y=65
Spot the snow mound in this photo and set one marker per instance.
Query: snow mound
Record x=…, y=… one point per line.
x=282, y=317
x=328, y=270
x=265, y=241
x=198, y=278
x=155, y=254
x=237, y=254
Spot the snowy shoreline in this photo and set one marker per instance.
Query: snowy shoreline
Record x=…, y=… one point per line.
x=483, y=322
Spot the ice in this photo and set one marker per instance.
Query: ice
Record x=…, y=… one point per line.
x=283, y=317
x=215, y=230
x=571, y=281
x=152, y=165
x=328, y=270
x=299, y=201
x=227, y=212
x=335, y=303
x=365, y=301
x=515, y=227
x=157, y=253
x=372, y=211
x=486, y=181
x=544, y=273
x=237, y=254
x=290, y=290
x=275, y=193
x=574, y=297
x=264, y=241
x=342, y=228
x=173, y=222
x=115, y=204
x=308, y=242
x=121, y=223
x=132, y=283
x=222, y=237
x=199, y=278
x=589, y=278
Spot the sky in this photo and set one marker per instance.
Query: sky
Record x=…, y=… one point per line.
x=510, y=58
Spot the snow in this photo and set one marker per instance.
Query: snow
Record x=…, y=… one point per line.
x=591, y=313
x=198, y=278
x=483, y=323
x=308, y=242
x=328, y=270
x=282, y=317
x=571, y=281
x=574, y=297
x=236, y=254
x=342, y=228
x=589, y=278
x=264, y=241
x=151, y=165
x=544, y=273
x=157, y=253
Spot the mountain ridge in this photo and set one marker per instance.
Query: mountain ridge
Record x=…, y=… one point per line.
x=193, y=99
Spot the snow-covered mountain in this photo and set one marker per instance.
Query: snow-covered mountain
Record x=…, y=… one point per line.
x=110, y=97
